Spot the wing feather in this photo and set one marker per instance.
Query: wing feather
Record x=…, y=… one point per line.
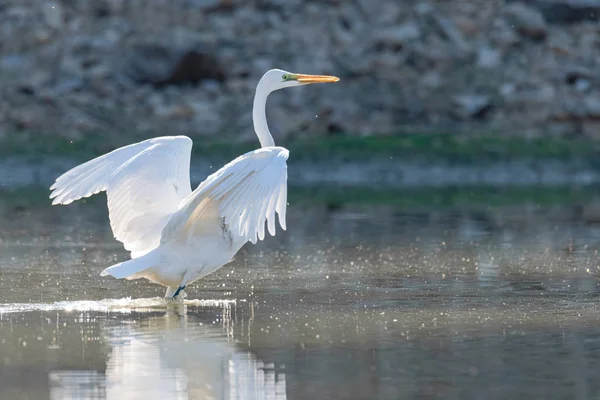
x=145, y=183
x=271, y=214
x=281, y=206
x=247, y=193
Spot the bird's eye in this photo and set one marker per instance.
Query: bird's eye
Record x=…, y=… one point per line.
x=285, y=77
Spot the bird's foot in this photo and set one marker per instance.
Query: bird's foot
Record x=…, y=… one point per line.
x=175, y=294
x=179, y=293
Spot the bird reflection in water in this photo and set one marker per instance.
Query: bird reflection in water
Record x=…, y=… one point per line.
x=173, y=355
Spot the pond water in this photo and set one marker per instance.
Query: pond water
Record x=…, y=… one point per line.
x=354, y=301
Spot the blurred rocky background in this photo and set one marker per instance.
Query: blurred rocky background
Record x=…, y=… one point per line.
x=142, y=68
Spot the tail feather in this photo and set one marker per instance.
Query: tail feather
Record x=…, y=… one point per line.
x=128, y=269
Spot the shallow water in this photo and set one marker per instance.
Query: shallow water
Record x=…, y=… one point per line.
x=352, y=302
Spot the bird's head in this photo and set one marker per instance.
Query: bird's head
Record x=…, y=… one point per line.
x=279, y=79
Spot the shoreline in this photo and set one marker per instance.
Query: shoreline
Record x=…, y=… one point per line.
x=395, y=162
x=19, y=171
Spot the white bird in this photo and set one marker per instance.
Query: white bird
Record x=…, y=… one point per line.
x=175, y=235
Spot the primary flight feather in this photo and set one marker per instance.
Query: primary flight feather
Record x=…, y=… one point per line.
x=176, y=235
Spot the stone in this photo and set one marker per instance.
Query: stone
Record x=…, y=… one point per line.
x=432, y=79
x=472, y=106
x=503, y=36
x=193, y=67
x=147, y=68
x=15, y=62
x=574, y=73
x=160, y=65
x=591, y=129
x=64, y=87
x=592, y=106
x=42, y=35
x=466, y=25
x=488, y=57
x=583, y=85
x=205, y=4
x=400, y=35
x=53, y=14
x=115, y=6
x=527, y=95
x=527, y=21
x=423, y=8
x=388, y=14
x=206, y=116
x=174, y=111
x=568, y=12
x=449, y=30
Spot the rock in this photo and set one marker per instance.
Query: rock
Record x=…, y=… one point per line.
x=503, y=36
x=388, y=14
x=568, y=12
x=15, y=63
x=160, y=65
x=115, y=6
x=27, y=119
x=449, y=30
x=527, y=21
x=571, y=109
x=591, y=129
x=64, y=87
x=488, y=57
x=472, y=106
x=400, y=35
x=20, y=72
x=432, y=80
x=466, y=25
x=175, y=111
x=526, y=96
x=53, y=14
x=423, y=8
x=206, y=117
x=194, y=66
x=574, y=73
x=583, y=85
x=42, y=35
x=203, y=4
x=150, y=67
x=17, y=12
x=592, y=107
x=386, y=62
x=561, y=42
x=212, y=5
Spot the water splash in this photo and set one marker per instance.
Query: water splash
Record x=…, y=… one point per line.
x=123, y=305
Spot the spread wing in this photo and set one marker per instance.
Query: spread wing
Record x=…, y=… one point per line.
x=144, y=182
x=245, y=194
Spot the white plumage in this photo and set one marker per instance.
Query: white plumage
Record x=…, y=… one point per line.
x=177, y=236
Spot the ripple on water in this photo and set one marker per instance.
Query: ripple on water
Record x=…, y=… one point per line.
x=123, y=305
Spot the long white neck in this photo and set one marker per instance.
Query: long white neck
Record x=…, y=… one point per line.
x=259, y=115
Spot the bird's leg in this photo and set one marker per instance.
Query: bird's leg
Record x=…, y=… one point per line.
x=187, y=278
x=170, y=291
x=179, y=289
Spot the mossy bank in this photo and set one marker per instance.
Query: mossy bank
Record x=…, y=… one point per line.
x=395, y=162
x=437, y=147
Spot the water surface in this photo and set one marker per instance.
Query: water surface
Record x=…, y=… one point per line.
x=354, y=301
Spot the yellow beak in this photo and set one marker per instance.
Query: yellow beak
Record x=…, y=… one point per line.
x=316, y=78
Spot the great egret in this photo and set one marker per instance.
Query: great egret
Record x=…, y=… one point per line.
x=175, y=235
